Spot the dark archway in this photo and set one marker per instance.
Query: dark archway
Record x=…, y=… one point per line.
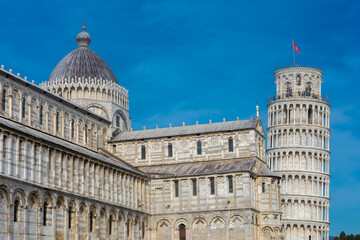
x=119, y=120
x=310, y=115
x=182, y=232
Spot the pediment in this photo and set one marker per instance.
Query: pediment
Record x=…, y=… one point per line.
x=260, y=128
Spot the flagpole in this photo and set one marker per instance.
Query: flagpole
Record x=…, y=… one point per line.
x=293, y=51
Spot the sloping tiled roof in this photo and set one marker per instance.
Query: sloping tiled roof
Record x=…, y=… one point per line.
x=205, y=168
x=73, y=147
x=266, y=172
x=186, y=130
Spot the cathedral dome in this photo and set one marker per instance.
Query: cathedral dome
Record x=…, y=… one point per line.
x=82, y=64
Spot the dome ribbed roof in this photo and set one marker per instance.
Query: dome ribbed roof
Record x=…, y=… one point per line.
x=82, y=63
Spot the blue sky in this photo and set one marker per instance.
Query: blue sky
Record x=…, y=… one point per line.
x=188, y=61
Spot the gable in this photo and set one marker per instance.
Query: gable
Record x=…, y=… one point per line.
x=260, y=128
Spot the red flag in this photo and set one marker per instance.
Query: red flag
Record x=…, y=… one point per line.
x=296, y=47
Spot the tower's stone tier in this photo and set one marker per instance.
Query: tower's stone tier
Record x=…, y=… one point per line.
x=305, y=210
x=299, y=151
x=295, y=229
x=299, y=112
x=306, y=160
x=305, y=184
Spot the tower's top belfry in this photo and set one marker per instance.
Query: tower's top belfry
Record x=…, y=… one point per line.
x=298, y=82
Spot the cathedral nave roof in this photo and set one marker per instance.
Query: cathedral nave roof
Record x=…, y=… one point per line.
x=209, y=167
x=186, y=130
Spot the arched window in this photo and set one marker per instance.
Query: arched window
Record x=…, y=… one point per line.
x=72, y=129
x=23, y=107
x=117, y=121
x=45, y=213
x=199, y=151
x=16, y=210
x=231, y=184
x=50, y=158
x=263, y=187
x=57, y=122
x=13, y=148
x=128, y=228
x=182, y=232
x=70, y=217
x=91, y=220
x=4, y=149
x=231, y=144
x=143, y=230
x=288, y=89
x=3, y=100
x=143, y=152
x=212, y=185
x=86, y=133
x=285, y=114
x=170, y=150
x=36, y=155
x=41, y=114
x=98, y=141
x=21, y=150
x=194, y=187
x=310, y=114
x=110, y=224
x=290, y=111
x=308, y=89
x=176, y=184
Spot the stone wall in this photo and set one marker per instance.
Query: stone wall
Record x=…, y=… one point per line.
x=52, y=165
x=47, y=214
x=225, y=225
x=104, y=98
x=45, y=182
x=30, y=105
x=239, y=208
x=190, y=198
x=246, y=143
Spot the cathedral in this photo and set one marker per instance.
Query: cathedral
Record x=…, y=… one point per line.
x=73, y=168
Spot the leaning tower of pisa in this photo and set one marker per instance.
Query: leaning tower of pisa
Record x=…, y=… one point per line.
x=298, y=150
